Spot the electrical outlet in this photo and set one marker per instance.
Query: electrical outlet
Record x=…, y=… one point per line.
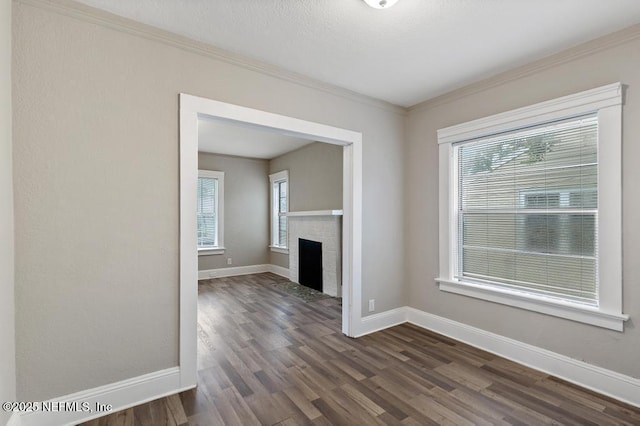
x=372, y=305
x=229, y=261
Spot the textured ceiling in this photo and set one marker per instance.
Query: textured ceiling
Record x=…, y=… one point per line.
x=414, y=51
x=218, y=137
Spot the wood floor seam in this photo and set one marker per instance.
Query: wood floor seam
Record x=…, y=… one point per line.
x=269, y=356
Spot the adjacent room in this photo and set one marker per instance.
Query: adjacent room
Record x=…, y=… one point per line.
x=263, y=198
x=319, y=212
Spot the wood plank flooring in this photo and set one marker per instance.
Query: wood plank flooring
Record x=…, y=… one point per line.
x=268, y=358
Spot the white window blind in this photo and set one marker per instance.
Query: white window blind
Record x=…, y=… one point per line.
x=281, y=191
x=527, y=207
x=279, y=207
x=207, y=212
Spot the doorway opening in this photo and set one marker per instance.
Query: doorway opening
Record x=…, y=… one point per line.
x=191, y=109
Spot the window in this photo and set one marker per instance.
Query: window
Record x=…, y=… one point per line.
x=530, y=208
x=279, y=208
x=571, y=234
x=210, y=212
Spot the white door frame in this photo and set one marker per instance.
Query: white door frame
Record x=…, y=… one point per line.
x=191, y=107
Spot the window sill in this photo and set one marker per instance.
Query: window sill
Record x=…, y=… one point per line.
x=210, y=251
x=279, y=249
x=574, y=312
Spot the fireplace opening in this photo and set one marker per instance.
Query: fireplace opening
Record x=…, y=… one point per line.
x=310, y=263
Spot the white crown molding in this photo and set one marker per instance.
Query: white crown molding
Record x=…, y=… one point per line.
x=591, y=47
x=90, y=14
x=121, y=395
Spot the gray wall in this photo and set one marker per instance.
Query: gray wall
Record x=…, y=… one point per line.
x=315, y=176
x=315, y=181
x=96, y=184
x=7, y=329
x=605, y=348
x=246, y=210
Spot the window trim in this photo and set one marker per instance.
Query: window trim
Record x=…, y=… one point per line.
x=281, y=176
x=606, y=102
x=219, y=248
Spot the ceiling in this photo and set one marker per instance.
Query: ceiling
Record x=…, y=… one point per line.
x=409, y=53
x=218, y=137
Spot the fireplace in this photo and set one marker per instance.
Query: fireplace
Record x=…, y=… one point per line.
x=324, y=228
x=310, y=263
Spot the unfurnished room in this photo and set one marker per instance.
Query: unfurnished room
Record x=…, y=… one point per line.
x=319, y=212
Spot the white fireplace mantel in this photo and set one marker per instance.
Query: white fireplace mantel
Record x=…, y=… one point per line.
x=315, y=213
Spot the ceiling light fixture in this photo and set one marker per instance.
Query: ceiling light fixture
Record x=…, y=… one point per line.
x=381, y=4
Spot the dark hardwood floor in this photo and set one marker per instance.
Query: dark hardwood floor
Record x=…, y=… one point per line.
x=266, y=357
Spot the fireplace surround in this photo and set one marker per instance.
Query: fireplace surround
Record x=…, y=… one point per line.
x=325, y=227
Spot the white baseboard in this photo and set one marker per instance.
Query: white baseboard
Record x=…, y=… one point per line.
x=598, y=379
x=120, y=395
x=231, y=272
x=377, y=322
x=279, y=270
x=242, y=270
x=141, y=389
x=619, y=386
x=15, y=420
